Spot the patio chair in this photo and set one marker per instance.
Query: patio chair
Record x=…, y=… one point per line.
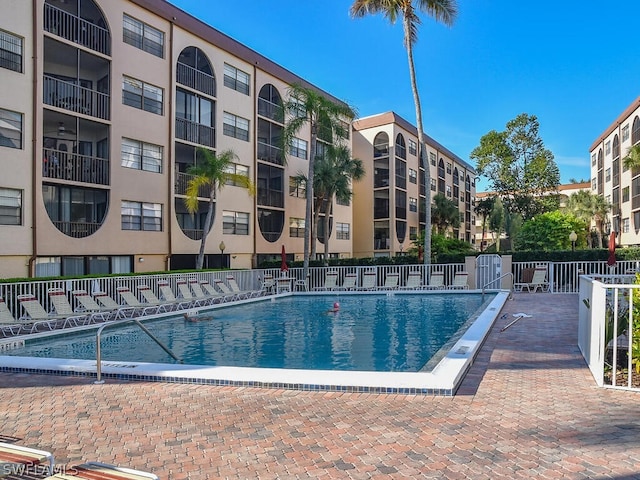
x=436, y=281
x=62, y=306
x=233, y=285
x=167, y=295
x=369, y=281
x=119, y=311
x=186, y=294
x=390, y=281
x=13, y=459
x=538, y=281
x=37, y=315
x=330, y=280
x=89, y=305
x=132, y=301
x=229, y=295
x=7, y=322
x=101, y=471
x=268, y=284
x=414, y=280
x=200, y=294
x=213, y=293
x=350, y=282
x=459, y=281
x=151, y=299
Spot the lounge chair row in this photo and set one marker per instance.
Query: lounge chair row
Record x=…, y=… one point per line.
x=101, y=307
x=26, y=462
x=392, y=281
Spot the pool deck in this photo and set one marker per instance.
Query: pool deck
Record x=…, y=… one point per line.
x=528, y=408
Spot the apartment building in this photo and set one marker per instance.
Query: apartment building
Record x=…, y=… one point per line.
x=387, y=203
x=103, y=107
x=609, y=177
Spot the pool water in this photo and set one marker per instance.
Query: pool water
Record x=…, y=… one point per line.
x=392, y=333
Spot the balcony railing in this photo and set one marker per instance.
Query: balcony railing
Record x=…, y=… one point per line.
x=75, y=98
x=193, y=234
x=195, y=132
x=381, y=244
x=182, y=182
x=269, y=153
x=192, y=78
x=77, y=229
x=380, y=151
x=270, y=110
x=76, y=29
x=76, y=168
x=270, y=198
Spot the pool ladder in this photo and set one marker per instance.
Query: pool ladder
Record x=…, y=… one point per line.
x=120, y=322
x=484, y=287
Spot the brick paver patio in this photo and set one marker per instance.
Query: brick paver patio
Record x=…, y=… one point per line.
x=528, y=408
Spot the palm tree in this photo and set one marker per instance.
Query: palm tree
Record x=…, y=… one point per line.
x=333, y=176
x=587, y=207
x=444, y=11
x=213, y=172
x=483, y=210
x=331, y=120
x=445, y=213
x=632, y=160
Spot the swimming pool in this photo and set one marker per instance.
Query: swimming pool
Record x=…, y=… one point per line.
x=375, y=341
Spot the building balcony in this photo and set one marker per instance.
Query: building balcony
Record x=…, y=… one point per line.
x=77, y=229
x=194, y=233
x=270, y=110
x=381, y=244
x=78, y=30
x=182, y=183
x=269, y=153
x=74, y=98
x=63, y=165
x=195, y=79
x=195, y=132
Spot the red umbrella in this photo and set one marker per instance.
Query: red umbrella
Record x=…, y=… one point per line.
x=612, y=249
x=283, y=266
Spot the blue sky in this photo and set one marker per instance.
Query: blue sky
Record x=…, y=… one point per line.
x=574, y=64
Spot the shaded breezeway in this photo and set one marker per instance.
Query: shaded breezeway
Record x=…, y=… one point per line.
x=528, y=408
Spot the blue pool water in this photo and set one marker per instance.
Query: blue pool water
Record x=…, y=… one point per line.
x=398, y=333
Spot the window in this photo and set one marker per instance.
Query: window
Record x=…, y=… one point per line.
x=234, y=126
x=449, y=191
x=235, y=223
x=625, y=133
x=594, y=184
x=237, y=169
x=432, y=158
x=345, y=202
x=607, y=175
x=413, y=204
x=343, y=231
x=296, y=227
x=593, y=159
x=413, y=176
x=11, y=131
x=607, y=148
x=141, y=216
x=298, y=148
x=10, y=52
x=141, y=156
x=10, y=206
x=143, y=36
x=625, y=225
x=413, y=233
x=449, y=168
x=236, y=79
x=144, y=96
x=413, y=147
x=433, y=184
x=625, y=194
x=297, y=188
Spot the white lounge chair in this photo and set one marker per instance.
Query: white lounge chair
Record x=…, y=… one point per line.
x=350, y=282
x=414, y=280
x=229, y=295
x=213, y=293
x=89, y=305
x=436, y=281
x=186, y=294
x=268, y=284
x=132, y=301
x=167, y=295
x=13, y=459
x=120, y=311
x=538, y=281
x=152, y=299
x=37, y=315
x=369, y=281
x=233, y=285
x=200, y=294
x=96, y=470
x=61, y=305
x=330, y=280
x=390, y=282
x=460, y=280
x=7, y=322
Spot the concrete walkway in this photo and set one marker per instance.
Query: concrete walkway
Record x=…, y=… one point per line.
x=528, y=408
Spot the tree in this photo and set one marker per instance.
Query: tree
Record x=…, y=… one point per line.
x=483, y=210
x=632, y=160
x=333, y=177
x=586, y=206
x=519, y=168
x=444, y=11
x=306, y=106
x=444, y=214
x=496, y=221
x=550, y=231
x=212, y=172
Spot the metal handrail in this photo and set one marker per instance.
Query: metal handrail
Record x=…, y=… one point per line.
x=120, y=322
x=495, y=280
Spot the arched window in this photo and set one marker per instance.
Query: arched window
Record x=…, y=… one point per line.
x=600, y=159
x=270, y=103
x=441, y=168
x=401, y=147
x=635, y=131
x=194, y=71
x=616, y=147
x=381, y=145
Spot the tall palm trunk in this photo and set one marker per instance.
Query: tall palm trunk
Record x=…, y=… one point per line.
x=317, y=206
x=422, y=150
x=309, y=205
x=327, y=220
x=205, y=231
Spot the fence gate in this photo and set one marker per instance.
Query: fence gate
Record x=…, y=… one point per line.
x=488, y=270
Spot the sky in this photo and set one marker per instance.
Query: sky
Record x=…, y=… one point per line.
x=573, y=64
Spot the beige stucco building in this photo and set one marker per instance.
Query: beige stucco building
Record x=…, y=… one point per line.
x=386, y=203
x=619, y=185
